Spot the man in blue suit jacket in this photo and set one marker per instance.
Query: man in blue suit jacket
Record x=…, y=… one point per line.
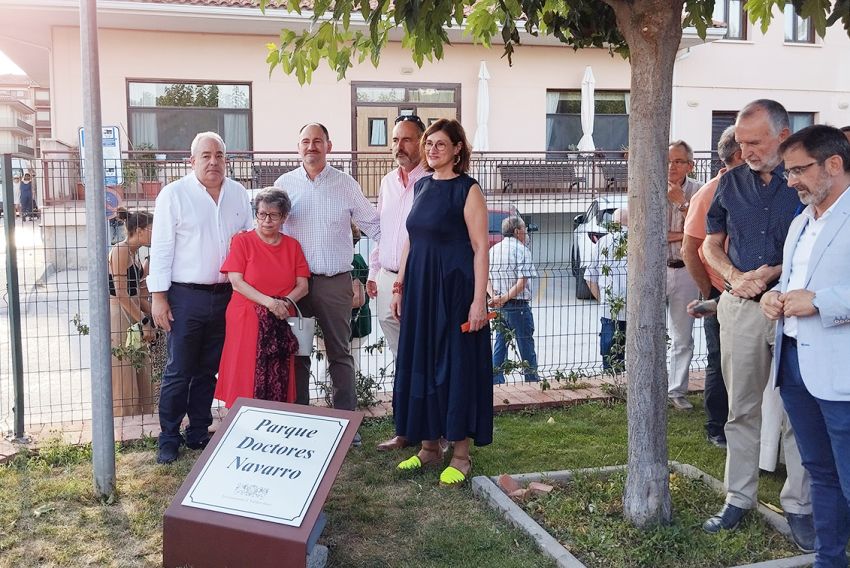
x=811, y=304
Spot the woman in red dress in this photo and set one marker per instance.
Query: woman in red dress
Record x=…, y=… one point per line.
x=269, y=274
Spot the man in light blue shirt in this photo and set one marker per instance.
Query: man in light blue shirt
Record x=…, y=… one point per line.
x=511, y=271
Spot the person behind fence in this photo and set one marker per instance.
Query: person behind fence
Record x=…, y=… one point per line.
x=511, y=272
x=361, y=315
x=753, y=208
x=710, y=285
x=394, y=201
x=16, y=195
x=811, y=305
x=269, y=274
x=444, y=375
x=27, y=197
x=606, y=278
x=681, y=288
x=196, y=217
x=132, y=328
x=325, y=201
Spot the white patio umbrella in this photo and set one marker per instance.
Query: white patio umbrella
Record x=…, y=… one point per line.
x=481, y=142
x=587, y=86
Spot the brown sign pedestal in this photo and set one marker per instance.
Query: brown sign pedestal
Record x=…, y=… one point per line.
x=228, y=511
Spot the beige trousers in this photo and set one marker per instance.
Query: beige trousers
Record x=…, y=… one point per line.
x=746, y=350
x=389, y=325
x=132, y=391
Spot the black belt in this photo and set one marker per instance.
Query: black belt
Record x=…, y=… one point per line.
x=214, y=288
x=675, y=264
x=517, y=302
x=392, y=271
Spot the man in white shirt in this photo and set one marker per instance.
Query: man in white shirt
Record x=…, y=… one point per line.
x=511, y=271
x=196, y=216
x=811, y=305
x=606, y=278
x=681, y=288
x=325, y=201
x=394, y=202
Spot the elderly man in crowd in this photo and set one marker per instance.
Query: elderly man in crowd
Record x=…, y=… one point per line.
x=511, y=272
x=812, y=306
x=325, y=201
x=710, y=285
x=394, y=201
x=681, y=288
x=753, y=208
x=196, y=216
x=608, y=285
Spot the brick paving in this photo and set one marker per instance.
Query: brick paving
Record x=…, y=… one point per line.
x=508, y=397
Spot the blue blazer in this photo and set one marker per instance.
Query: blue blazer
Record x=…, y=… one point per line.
x=823, y=339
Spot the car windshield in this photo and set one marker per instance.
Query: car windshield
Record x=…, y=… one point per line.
x=494, y=221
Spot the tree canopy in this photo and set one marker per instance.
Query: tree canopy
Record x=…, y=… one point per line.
x=424, y=25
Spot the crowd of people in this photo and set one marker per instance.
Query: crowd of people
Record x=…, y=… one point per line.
x=760, y=252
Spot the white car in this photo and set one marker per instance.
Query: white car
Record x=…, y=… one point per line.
x=588, y=228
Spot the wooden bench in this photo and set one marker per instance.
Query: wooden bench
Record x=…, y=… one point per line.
x=547, y=177
x=615, y=174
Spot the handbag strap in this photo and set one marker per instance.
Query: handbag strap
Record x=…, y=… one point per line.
x=297, y=309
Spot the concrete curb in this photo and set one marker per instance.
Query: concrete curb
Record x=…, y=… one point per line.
x=486, y=489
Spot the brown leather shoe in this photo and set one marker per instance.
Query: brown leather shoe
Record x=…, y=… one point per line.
x=395, y=443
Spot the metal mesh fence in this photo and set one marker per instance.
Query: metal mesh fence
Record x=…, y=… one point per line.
x=549, y=191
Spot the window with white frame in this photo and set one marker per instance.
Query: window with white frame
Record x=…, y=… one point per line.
x=731, y=12
x=798, y=29
x=610, y=124
x=167, y=115
x=800, y=120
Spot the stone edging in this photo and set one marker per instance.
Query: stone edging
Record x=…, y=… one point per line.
x=486, y=488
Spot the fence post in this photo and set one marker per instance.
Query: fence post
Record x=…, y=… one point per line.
x=103, y=432
x=15, y=343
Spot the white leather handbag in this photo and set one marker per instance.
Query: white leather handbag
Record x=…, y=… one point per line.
x=304, y=330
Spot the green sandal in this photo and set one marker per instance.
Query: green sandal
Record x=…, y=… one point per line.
x=414, y=462
x=453, y=477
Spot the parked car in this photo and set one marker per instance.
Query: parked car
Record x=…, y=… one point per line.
x=494, y=223
x=588, y=228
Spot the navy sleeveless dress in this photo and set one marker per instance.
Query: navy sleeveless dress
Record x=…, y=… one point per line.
x=444, y=378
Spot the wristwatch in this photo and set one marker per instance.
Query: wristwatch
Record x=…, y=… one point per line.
x=146, y=320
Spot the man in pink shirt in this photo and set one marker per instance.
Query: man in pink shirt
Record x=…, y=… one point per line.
x=394, y=202
x=710, y=286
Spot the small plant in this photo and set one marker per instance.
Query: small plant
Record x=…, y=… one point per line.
x=145, y=159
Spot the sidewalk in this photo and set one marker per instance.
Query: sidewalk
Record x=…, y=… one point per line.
x=507, y=397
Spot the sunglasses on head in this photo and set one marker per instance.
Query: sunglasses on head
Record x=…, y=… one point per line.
x=411, y=118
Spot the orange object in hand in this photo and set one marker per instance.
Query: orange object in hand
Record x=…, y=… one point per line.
x=464, y=327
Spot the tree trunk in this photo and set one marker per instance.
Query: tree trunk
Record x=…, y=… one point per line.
x=653, y=29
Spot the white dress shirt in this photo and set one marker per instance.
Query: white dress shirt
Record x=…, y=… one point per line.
x=510, y=260
x=394, y=202
x=321, y=216
x=614, y=276
x=191, y=232
x=802, y=254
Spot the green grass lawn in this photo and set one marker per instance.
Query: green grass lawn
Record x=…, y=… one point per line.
x=376, y=517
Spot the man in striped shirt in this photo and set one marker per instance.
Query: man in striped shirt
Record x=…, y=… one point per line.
x=325, y=201
x=394, y=202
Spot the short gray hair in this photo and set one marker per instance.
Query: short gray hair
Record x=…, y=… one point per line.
x=684, y=146
x=201, y=136
x=727, y=145
x=510, y=224
x=777, y=116
x=273, y=197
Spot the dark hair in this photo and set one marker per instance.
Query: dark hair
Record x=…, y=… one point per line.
x=457, y=135
x=776, y=114
x=845, y=129
x=411, y=118
x=274, y=197
x=134, y=221
x=320, y=125
x=820, y=142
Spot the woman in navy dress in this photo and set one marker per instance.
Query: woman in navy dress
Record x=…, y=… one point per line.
x=443, y=384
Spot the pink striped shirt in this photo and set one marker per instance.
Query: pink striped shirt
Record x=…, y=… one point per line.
x=394, y=202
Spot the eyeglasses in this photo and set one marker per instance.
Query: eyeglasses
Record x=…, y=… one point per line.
x=439, y=146
x=797, y=171
x=411, y=118
x=274, y=217
x=678, y=162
